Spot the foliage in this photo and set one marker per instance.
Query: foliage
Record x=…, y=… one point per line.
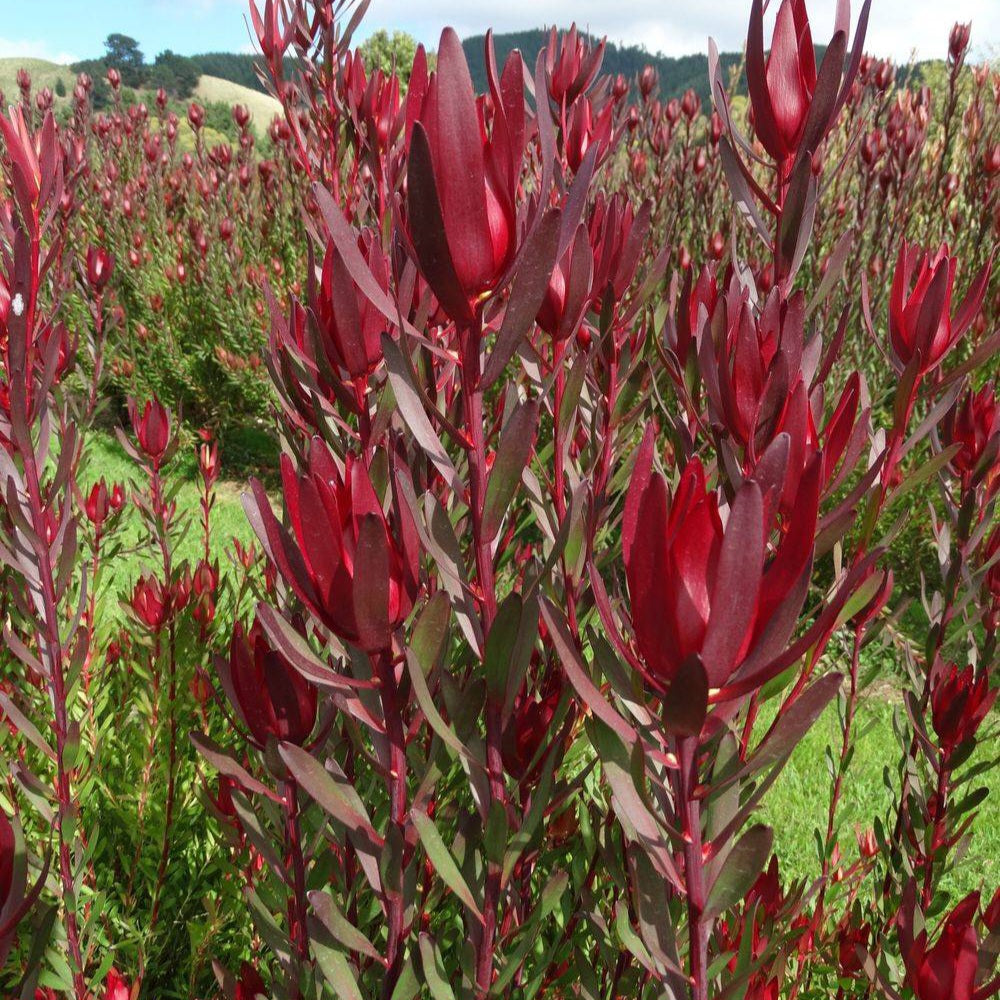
x=612, y=426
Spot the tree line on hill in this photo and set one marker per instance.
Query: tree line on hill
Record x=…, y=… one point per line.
x=178, y=75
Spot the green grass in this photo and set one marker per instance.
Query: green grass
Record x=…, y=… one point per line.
x=106, y=457
x=797, y=805
x=43, y=74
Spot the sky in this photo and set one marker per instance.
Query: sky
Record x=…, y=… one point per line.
x=67, y=30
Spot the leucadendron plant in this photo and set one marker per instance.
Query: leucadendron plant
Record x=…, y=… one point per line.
x=625, y=440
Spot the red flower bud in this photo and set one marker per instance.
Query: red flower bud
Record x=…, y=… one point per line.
x=208, y=462
x=271, y=697
x=462, y=177
x=782, y=87
x=250, y=986
x=351, y=326
x=948, y=970
x=958, y=42
x=920, y=315
x=529, y=730
x=152, y=429
x=698, y=589
x=973, y=422
x=99, y=266
x=338, y=526
x=647, y=81
x=960, y=700
x=570, y=65
x=150, y=602
x=115, y=986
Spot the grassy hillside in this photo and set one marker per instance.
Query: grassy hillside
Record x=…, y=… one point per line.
x=210, y=89
x=43, y=74
x=262, y=107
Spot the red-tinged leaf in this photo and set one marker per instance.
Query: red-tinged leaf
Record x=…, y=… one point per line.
x=531, y=281
x=793, y=722
x=585, y=688
x=434, y=970
x=737, y=585
x=822, y=108
x=345, y=240
x=434, y=718
x=443, y=861
x=973, y=300
x=339, y=927
x=336, y=797
x=932, y=308
x=642, y=472
x=452, y=128
x=426, y=227
x=517, y=441
x=371, y=585
x=429, y=636
x=411, y=408
x=745, y=862
x=576, y=200
x=857, y=49
x=764, y=123
x=685, y=704
x=226, y=764
x=741, y=191
x=796, y=221
x=640, y=824
x=923, y=472
x=24, y=725
x=296, y=649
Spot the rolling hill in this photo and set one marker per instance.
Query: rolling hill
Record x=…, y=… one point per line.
x=210, y=89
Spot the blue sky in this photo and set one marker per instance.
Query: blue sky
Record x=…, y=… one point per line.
x=73, y=29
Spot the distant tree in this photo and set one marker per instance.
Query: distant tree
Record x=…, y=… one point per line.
x=60, y=87
x=384, y=51
x=177, y=75
x=124, y=55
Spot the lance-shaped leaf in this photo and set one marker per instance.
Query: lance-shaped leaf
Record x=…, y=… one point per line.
x=443, y=861
x=584, y=686
x=793, y=722
x=434, y=719
x=226, y=764
x=435, y=974
x=534, y=269
x=337, y=799
x=513, y=453
x=339, y=927
x=745, y=862
x=639, y=822
x=411, y=407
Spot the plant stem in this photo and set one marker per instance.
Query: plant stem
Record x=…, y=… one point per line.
x=694, y=865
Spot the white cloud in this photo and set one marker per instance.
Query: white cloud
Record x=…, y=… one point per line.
x=681, y=27
x=23, y=49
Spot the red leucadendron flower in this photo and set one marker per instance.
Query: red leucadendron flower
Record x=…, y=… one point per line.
x=974, y=423
x=152, y=429
x=701, y=589
x=462, y=177
x=784, y=86
x=271, y=697
x=920, y=313
x=960, y=700
x=948, y=970
x=355, y=568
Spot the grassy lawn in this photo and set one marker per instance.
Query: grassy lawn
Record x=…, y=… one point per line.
x=798, y=803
